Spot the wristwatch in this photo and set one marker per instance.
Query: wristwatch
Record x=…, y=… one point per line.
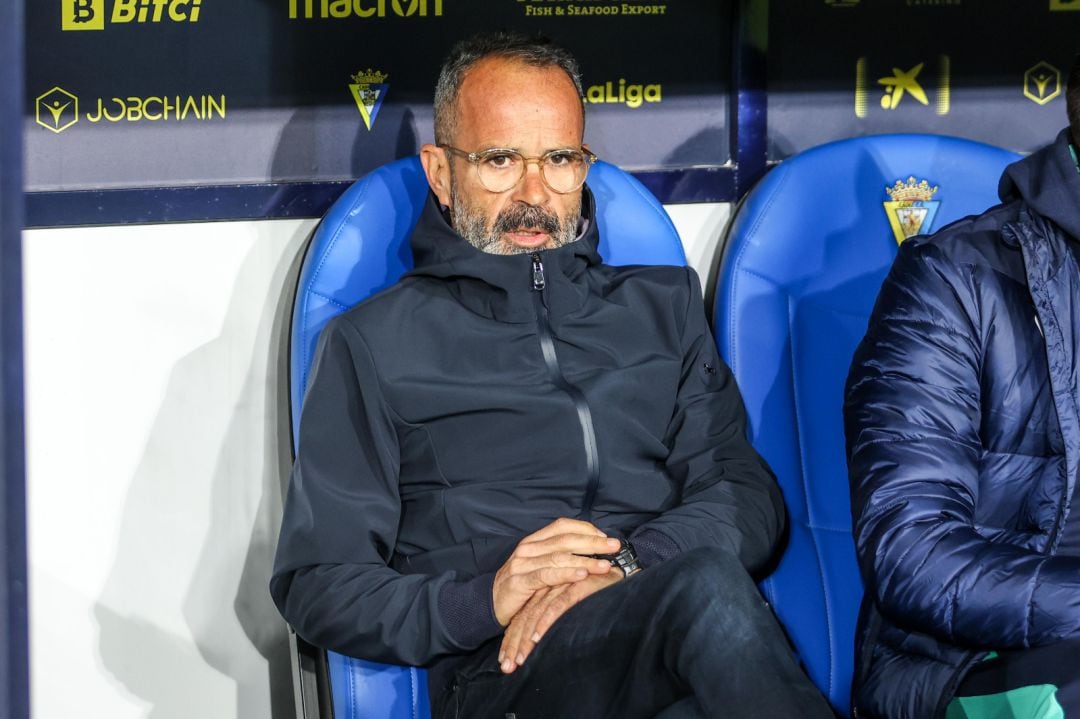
x=625, y=559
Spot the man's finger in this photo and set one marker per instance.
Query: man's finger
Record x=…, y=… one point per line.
x=564, y=525
x=509, y=649
x=572, y=543
x=524, y=565
x=548, y=577
x=526, y=621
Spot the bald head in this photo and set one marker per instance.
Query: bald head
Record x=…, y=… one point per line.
x=536, y=52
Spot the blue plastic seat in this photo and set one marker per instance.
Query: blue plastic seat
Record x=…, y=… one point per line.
x=805, y=257
x=360, y=247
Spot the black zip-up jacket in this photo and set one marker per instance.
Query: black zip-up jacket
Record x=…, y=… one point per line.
x=479, y=399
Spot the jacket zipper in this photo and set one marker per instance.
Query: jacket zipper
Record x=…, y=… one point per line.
x=584, y=414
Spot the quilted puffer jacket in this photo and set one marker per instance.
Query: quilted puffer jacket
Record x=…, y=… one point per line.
x=963, y=437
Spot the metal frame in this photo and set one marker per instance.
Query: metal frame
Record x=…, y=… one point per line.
x=14, y=656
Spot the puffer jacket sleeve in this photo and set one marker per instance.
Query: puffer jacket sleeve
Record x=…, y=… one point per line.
x=912, y=420
x=729, y=497
x=331, y=577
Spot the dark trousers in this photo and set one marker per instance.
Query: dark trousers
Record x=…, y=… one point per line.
x=1024, y=683
x=688, y=638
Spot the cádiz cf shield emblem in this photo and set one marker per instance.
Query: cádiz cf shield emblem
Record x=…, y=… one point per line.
x=911, y=210
x=368, y=90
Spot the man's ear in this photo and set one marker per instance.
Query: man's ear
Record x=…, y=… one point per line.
x=436, y=164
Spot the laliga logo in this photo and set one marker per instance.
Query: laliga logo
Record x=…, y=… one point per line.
x=61, y=110
x=632, y=95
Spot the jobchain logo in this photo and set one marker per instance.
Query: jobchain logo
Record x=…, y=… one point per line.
x=1042, y=83
x=91, y=14
x=57, y=109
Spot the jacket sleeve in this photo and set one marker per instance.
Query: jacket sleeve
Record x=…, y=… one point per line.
x=729, y=497
x=912, y=419
x=331, y=577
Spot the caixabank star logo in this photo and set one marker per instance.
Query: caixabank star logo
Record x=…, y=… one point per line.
x=56, y=110
x=92, y=14
x=920, y=84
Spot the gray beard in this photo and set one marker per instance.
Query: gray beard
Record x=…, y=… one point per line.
x=471, y=225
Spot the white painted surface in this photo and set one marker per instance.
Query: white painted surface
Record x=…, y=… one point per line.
x=156, y=448
x=153, y=466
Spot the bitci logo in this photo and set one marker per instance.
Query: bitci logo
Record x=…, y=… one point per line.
x=90, y=14
x=82, y=15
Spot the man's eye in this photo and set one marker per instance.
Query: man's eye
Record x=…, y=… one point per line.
x=500, y=161
x=561, y=159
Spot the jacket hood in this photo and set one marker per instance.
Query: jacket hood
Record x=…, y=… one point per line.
x=500, y=286
x=1047, y=181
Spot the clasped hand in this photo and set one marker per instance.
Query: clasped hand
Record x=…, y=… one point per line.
x=545, y=576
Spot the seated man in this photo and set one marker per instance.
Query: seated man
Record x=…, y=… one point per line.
x=963, y=440
x=526, y=469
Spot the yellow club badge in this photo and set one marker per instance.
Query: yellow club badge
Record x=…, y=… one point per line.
x=911, y=208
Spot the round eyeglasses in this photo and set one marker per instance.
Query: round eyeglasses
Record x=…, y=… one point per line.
x=499, y=169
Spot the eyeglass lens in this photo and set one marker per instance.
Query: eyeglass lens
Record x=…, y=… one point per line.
x=562, y=171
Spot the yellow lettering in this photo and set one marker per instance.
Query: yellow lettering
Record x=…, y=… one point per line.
x=595, y=93
x=118, y=117
x=192, y=106
x=652, y=93
x=123, y=10
x=143, y=7
x=92, y=117
x=151, y=116
x=196, y=6
x=438, y=8
x=341, y=8
x=361, y=11
x=134, y=109
x=159, y=9
x=217, y=108
x=398, y=10
x=175, y=14
x=633, y=96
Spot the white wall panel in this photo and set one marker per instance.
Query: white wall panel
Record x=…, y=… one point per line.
x=154, y=466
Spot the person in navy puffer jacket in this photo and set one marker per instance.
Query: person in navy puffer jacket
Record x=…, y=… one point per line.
x=963, y=437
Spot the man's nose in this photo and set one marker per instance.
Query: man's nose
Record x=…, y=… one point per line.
x=531, y=188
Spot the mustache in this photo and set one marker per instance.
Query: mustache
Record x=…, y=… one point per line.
x=526, y=217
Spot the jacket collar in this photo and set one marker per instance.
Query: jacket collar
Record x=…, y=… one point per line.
x=1047, y=181
x=500, y=286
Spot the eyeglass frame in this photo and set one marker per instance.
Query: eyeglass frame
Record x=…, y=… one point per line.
x=474, y=159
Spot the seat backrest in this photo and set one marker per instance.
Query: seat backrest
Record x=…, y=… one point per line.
x=361, y=247
x=805, y=257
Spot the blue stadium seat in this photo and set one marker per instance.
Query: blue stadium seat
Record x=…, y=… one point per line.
x=361, y=247
x=805, y=256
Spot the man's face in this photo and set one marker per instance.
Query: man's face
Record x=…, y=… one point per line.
x=508, y=104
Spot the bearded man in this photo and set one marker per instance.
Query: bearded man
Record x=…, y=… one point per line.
x=523, y=468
